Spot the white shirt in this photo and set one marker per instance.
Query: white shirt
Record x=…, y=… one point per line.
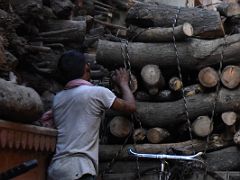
x=77, y=116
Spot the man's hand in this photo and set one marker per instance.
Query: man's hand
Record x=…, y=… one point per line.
x=121, y=77
x=127, y=103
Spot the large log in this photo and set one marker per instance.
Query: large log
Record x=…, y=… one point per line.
x=19, y=103
x=227, y=159
x=193, y=54
x=160, y=34
x=107, y=152
x=206, y=24
x=167, y=113
x=179, y=3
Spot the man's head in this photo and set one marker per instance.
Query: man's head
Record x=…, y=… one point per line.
x=72, y=65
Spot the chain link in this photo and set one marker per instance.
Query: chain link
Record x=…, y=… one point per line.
x=181, y=78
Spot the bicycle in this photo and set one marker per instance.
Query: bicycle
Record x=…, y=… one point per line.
x=166, y=173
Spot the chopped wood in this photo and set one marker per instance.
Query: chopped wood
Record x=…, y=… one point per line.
x=194, y=54
x=139, y=134
x=149, y=15
x=208, y=77
x=230, y=76
x=120, y=127
x=229, y=118
x=166, y=113
x=160, y=34
x=202, y=126
x=152, y=78
x=175, y=84
x=157, y=135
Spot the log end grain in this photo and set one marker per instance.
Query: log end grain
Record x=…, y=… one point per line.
x=202, y=126
x=208, y=77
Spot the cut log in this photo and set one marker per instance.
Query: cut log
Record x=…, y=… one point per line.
x=19, y=103
x=202, y=126
x=148, y=15
x=231, y=76
x=164, y=114
x=157, y=135
x=229, y=119
x=236, y=137
x=63, y=9
x=229, y=9
x=120, y=127
x=152, y=78
x=160, y=34
x=179, y=3
x=208, y=77
x=193, y=90
x=139, y=134
x=175, y=84
x=63, y=30
x=107, y=152
x=193, y=54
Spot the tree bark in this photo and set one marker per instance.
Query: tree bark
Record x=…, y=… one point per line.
x=162, y=96
x=152, y=78
x=231, y=76
x=227, y=159
x=19, y=103
x=208, y=77
x=157, y=135
x=166, y=113
x=160, y=34
x=193, y=54
x=202, y=126
x=149, y=15
x=107, y=152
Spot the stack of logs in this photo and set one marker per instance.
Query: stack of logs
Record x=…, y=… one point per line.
x=148, y=37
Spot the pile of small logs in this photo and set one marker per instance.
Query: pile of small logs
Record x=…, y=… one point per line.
x=183, y=56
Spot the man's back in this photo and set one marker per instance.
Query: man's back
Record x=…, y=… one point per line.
x=77, y=114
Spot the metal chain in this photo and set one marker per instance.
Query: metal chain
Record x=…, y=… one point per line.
x=181, y=78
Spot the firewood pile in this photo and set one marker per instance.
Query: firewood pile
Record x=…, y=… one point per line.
x=183, y=57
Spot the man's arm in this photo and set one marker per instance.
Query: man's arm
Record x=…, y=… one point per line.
x=127, y=103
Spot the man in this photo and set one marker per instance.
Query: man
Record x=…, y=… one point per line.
x=77, y=112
